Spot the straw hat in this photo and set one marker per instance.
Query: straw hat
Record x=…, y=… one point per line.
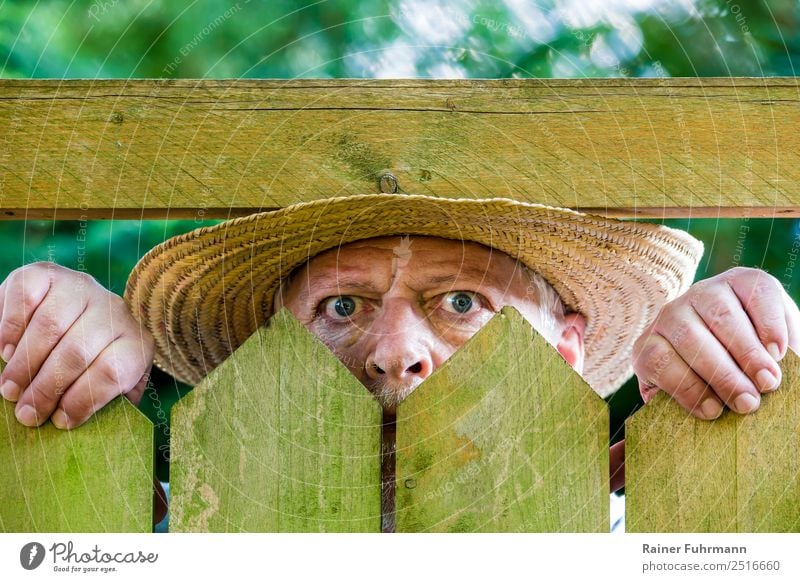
x=202, y=294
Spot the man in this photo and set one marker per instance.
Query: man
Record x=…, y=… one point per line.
x=394, y=284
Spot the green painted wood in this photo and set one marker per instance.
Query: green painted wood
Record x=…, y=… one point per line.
x=281, y=437
x=734, y=474
x=504, y=436
x=94, y=478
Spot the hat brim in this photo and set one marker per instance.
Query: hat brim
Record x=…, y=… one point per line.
x=203, y=293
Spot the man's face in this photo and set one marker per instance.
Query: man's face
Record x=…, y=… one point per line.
x=393, y=309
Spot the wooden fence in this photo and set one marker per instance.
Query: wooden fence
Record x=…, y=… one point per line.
x=504, y=436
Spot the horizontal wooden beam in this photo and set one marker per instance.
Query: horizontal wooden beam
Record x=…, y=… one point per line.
x=213, y=149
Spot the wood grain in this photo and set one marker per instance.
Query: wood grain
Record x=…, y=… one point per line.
x=281, y=437
x=735, y=474
x=213, y=149
x=95, y=478
x=504, y=436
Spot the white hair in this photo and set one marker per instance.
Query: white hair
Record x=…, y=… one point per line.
x=551, y=307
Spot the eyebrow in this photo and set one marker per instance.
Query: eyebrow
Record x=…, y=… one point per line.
x=346, y=282
x=476, y=272
x=315, y=282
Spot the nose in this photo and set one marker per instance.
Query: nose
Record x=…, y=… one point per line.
x=401, y=353
x=395, y=368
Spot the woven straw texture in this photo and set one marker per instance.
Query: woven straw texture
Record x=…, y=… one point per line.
x=202, y=294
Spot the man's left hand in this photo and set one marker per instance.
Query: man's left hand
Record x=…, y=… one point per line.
x=719, y=343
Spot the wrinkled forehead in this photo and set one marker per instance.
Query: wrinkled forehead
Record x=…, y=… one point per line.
x=424, y=253
x=428, y=258
x=412, y=247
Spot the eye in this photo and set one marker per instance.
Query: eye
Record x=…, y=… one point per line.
x=461, y=302
x=340, y=307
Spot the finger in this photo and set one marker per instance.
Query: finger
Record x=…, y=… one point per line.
x=647, y=391
x=25, y=289
x=135, y=394
x=792, y=322
x=143, y=340
x=52, y=319
x=709, y=359
x=658, y=364
x=74, y=353
x=724, y=316
x=117, y=370
x=760, y=295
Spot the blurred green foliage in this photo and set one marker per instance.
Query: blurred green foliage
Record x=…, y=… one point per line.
x=390, y=38
x=397, y=38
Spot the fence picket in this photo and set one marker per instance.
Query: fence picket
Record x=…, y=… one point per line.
x=94, y=478
x=504, y=436
x=280, y=437
x=735, y=474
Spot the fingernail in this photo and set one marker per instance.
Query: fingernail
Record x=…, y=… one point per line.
x=60, y=419
x=27, y=415
x=10, y=391
x=774, y=351
x=766, y=381
x=8, y=351
x=710, y=408
x=745, y=403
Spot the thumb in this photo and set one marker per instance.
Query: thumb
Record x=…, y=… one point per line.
x=135, y=393
x=647, y=391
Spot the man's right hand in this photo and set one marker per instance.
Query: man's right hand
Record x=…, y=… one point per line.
x=71, y=346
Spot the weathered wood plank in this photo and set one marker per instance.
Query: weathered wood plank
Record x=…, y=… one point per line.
x=210, y=149
x=281, y=437
x=735, y=474
x=505, y=436
x=95, y=478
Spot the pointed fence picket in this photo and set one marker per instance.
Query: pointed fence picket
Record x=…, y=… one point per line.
x=280, y=437
x=739, y=473
x=98, y=478
x=504, y=436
